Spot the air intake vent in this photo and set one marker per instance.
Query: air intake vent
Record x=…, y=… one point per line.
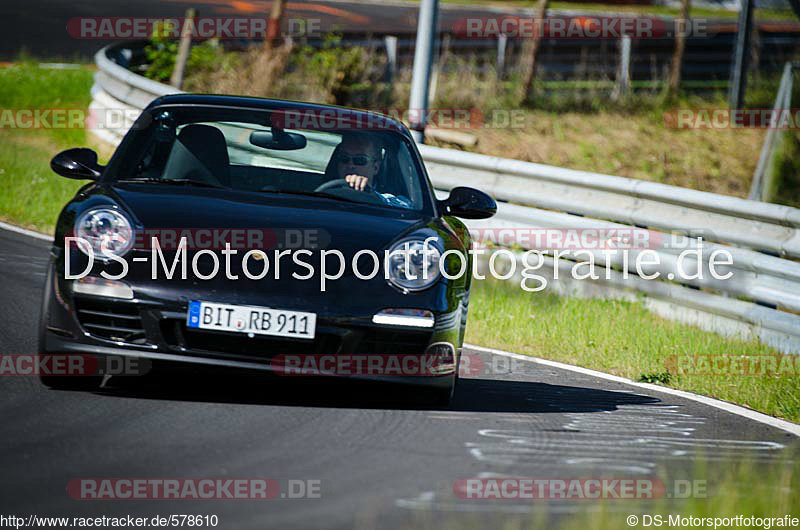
x=385, y=342
x=118, y=321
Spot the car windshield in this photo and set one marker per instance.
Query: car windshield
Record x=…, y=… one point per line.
x=247, y=152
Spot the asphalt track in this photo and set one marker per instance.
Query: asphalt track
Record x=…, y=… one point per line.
x=382, y=460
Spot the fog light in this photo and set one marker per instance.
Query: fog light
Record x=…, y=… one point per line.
x=102, y=287
x=415, y=318
x=444, y=358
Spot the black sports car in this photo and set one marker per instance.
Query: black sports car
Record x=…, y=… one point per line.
x=240, y=232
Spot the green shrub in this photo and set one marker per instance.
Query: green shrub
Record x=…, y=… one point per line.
x=162, y=49
x=347, y=75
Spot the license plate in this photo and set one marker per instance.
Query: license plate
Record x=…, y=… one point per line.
x=251, y=319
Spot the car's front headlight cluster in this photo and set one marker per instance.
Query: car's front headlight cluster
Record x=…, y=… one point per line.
x=105, y=228
x=413, y=264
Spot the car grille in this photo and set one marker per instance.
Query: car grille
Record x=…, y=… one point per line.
x=176, y=334
x=112, y=320
x=328, y=341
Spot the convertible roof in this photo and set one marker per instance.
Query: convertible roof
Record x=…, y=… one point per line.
x=292, y=114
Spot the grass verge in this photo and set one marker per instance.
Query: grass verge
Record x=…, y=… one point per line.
x=621, y=338
x=31, y=194
x=787, y=178
x=721, y=488
x=732, y=492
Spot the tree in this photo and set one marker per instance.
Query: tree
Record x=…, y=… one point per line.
x=274, y=24
x=681, y=28
x=529, y=68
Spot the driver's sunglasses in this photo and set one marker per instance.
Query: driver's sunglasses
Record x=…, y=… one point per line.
x=358, y=160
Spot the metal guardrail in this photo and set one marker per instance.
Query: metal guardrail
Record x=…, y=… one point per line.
x=760, y=300
x=762, y=187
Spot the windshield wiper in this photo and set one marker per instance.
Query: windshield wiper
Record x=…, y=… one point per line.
x=174, y=182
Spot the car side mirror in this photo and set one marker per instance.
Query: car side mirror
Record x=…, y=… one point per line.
x=469, y=203
x=77, y=163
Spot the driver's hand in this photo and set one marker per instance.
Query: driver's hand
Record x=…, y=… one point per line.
x=357, y=182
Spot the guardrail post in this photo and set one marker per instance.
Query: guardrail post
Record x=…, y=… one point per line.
x=185, y=46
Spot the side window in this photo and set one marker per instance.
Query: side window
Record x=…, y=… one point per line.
x=154, y=157
x=409, y=174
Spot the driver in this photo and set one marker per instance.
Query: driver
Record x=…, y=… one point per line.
x=359, y=161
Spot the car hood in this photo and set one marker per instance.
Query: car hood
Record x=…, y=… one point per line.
x=287, y=222
x=283, y=221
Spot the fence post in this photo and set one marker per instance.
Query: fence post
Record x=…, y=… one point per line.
x=185, y=46
x=390, y=42
x=502, y=44
x=740, y=55
x=624, y=70
x=761, y=187
x=438, y=65
x=423, y=55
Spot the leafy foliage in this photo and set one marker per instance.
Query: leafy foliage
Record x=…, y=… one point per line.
x=348, y=75
x=162, y=49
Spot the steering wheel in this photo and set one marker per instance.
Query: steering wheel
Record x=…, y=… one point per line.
x=343, y=184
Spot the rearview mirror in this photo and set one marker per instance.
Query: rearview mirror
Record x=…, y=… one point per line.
x=469, y=203
x=77, y=163
x=278, y=140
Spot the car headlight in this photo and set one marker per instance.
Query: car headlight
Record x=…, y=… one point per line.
x=105, y=227
x=413, y=265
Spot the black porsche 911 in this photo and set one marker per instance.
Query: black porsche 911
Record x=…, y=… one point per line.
x=239, y=232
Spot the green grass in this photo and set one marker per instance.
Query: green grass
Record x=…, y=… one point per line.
x=787, y=179
x=720, y=489
x=621, y=338
x=734, y=489
x=30, y=193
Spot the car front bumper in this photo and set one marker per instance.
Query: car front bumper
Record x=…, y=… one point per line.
x=154, y=327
